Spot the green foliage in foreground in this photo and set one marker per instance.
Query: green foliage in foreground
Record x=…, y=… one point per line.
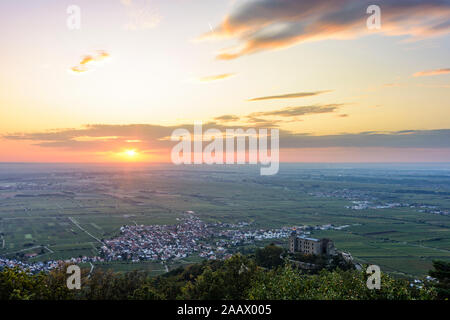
x=442, y=273
x=239, y=277
x=287, y=284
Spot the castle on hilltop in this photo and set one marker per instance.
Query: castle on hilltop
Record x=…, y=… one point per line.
x=311, y=245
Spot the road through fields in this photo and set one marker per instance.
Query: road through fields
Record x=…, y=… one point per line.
x=84, y=230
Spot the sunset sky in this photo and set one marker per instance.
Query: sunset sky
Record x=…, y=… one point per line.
x=115, y=89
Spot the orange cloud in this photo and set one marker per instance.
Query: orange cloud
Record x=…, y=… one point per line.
x=79, y=69
x=298, y=111
x=290, y=95
x=217, y=77
x=88, y=60
x=431, y=72
x=227, y=118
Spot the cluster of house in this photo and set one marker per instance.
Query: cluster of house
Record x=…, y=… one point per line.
x=32, y=267
x=35, y=267
x=362, y=205
x=169, y=242
x=166, y=242
x=430, y=209
x=157, y=242
x=344, y=194
x=363, y=201
x=238, y=237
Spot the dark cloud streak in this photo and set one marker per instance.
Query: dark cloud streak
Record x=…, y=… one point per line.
x=153, y=137
x=290, y=95
x=268, y=25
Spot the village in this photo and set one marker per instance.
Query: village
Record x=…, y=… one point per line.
x=191, y=236
x=168, y=242
x=364, y=200
x=165, y=243
x=36, y=267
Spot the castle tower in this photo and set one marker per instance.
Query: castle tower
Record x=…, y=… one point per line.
x=328, y=247
x=293, y=244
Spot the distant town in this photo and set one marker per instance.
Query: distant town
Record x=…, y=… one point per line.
x=192, y=235
x=363, y=201
x=171, y=242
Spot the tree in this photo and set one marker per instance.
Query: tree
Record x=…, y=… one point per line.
x=208, y=286
x=231, y=280
x=16, y=284
x=146, y=292
x=442, y=274
x=269, y=256
x=288, y=284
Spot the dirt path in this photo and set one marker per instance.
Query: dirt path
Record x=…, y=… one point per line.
x=75, y=222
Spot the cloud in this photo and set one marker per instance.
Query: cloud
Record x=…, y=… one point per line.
x=267, y=24
x=397, y=139
x=273, y=118
x=79, y=69
x=142, y=14
x=291, y=95
x=433, y=85
x=299, y=111
x=100, y=137
x=148, y=138
x=99, y=56
x=392, y=85
x=432, y=72
x=264, y=123
x=217, y=77
x=87, y=61
x=227, y=118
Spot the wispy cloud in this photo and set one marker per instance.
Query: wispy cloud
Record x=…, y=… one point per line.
x=268, y=25
x=86, y=61
x=433, y=85
x=395, y=139
x=142, y=14
x=299, y=111
x=261, y=122
x=290, y=95
x=79, y=69
x=227, y=118
x=392, y=85
x=273, y=118
x=432, y=72
x=217, y=77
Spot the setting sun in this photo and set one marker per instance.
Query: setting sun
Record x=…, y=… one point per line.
x=131, y=153
x=128, y=155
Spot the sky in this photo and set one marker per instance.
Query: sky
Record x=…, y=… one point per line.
x=116, y=88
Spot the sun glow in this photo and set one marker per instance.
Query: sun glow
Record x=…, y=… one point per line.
x=127, y=155
x=131, y=153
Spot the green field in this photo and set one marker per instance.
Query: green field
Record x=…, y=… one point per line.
x=401, y=240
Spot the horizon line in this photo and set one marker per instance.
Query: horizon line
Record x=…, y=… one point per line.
x=229, y=164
